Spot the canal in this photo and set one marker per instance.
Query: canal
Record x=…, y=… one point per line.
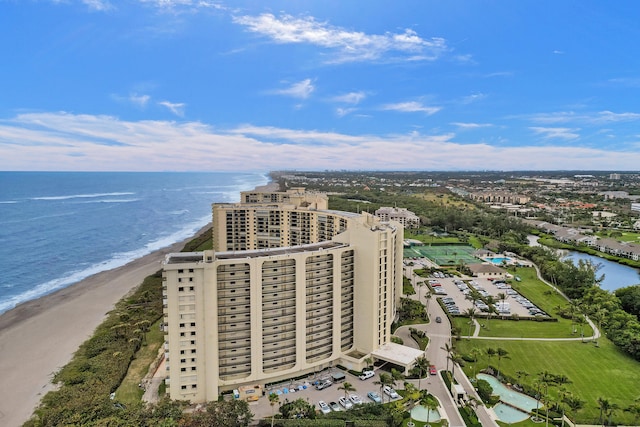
x=615, y=275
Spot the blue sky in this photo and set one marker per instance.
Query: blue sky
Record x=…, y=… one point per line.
x=311, y=85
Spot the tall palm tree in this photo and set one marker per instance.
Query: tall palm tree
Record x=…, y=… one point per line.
x=490, y=300
x=428, y=402
x=455, y=358
x=574, y=403
x=471, y=312
x=490, y=353
x=501, y=353
x=347, y=387
x=422, y=363
x=273, y=400
x=368, y=361
x=604, y=405
x=412, y=393
x=385, y=380
x=475, y=353
x=449, y=350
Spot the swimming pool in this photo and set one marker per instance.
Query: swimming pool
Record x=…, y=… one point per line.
x=419, y=413
x=512, y=397
x=507, y=414
x=499, y=260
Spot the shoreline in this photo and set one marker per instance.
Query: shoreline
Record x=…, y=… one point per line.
x=38, y=337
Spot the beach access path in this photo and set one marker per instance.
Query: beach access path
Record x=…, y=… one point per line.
x=39, y=337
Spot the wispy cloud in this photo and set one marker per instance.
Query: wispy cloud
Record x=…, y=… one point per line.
x=341, y=112
x=470, y=99
x=63, y=141
x=302, y=89
x=562, y=133
x=411, y=107
x=139, y=100
x=98, y=5
x=349, y=46
x=350, y=98
x=472, y=125
x=176, y=108
x=589, y=118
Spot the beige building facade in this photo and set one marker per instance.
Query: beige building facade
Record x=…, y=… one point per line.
x=251, y=313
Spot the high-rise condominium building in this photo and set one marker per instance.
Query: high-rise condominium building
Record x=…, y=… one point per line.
x=290, y=288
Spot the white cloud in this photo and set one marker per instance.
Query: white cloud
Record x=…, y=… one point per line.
x=588, y=118
x=341, y=112
x=411, y=107
x=562, y=133
x=139, y=100
x=98, y=5
x=471, y=125
x=350, y=98
x=175, y=108
x=472, y=98
x=63, y=141
x=301, y=90
x=349, y=46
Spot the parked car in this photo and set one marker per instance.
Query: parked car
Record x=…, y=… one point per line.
x=433, y=370
x=438, y=319
x=324, y=408
x=390, y=392
x=334, y=406
x=366, y=375
x=355, y=399
x=346, y=403
x=323, y=384
x=374, y=396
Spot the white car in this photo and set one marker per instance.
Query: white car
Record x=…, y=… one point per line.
x=355, y=399
x=324, y=408
x=346, y=403
x=390, y=392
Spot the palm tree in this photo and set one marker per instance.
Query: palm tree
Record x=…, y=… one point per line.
x=428, y=402
x=273, y=400
x=580, y=321
x=449, y=350
x=455, y=358
x=634, y=410
x=422, y=363
x=412, y=393
x=521, y=374
x=490, y=353
x=501, y=353
x=385, y=380
x=347, y=387
x=475, y=353
x=397, y=376
x=368, y=361
x=605, y=406
x=471, y=312
x=490, y=300
x=574, y=403
x=428, y=296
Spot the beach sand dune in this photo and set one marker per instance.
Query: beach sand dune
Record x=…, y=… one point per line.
x=39, y=337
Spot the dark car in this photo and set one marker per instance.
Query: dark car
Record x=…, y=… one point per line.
x=438, y=319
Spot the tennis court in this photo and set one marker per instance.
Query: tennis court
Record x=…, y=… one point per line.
x=443, y=254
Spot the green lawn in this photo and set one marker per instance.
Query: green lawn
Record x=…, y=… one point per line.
x=594, y=371
x=626, y=236
x=129, y=392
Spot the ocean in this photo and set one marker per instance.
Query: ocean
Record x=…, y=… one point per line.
x=57, y=228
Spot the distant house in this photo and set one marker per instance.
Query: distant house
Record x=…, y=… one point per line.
x=487, y=270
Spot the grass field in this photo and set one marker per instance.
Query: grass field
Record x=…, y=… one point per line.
x=626, y=236
x=129, y=392
x=594, y=371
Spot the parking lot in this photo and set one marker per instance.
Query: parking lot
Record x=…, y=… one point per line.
x=455, y=293
x=261, y=408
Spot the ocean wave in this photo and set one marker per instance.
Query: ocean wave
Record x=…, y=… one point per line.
x=117, y=260
x=81, y=196
x=8, y=202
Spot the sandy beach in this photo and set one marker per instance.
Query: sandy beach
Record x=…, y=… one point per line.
x=38, y=337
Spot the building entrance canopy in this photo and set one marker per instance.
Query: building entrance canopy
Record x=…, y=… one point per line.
x=398, y=354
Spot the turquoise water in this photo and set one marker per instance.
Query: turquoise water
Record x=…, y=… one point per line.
x=507, y=414
x=499, y=260
x=419, y=413
x=507, y=395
